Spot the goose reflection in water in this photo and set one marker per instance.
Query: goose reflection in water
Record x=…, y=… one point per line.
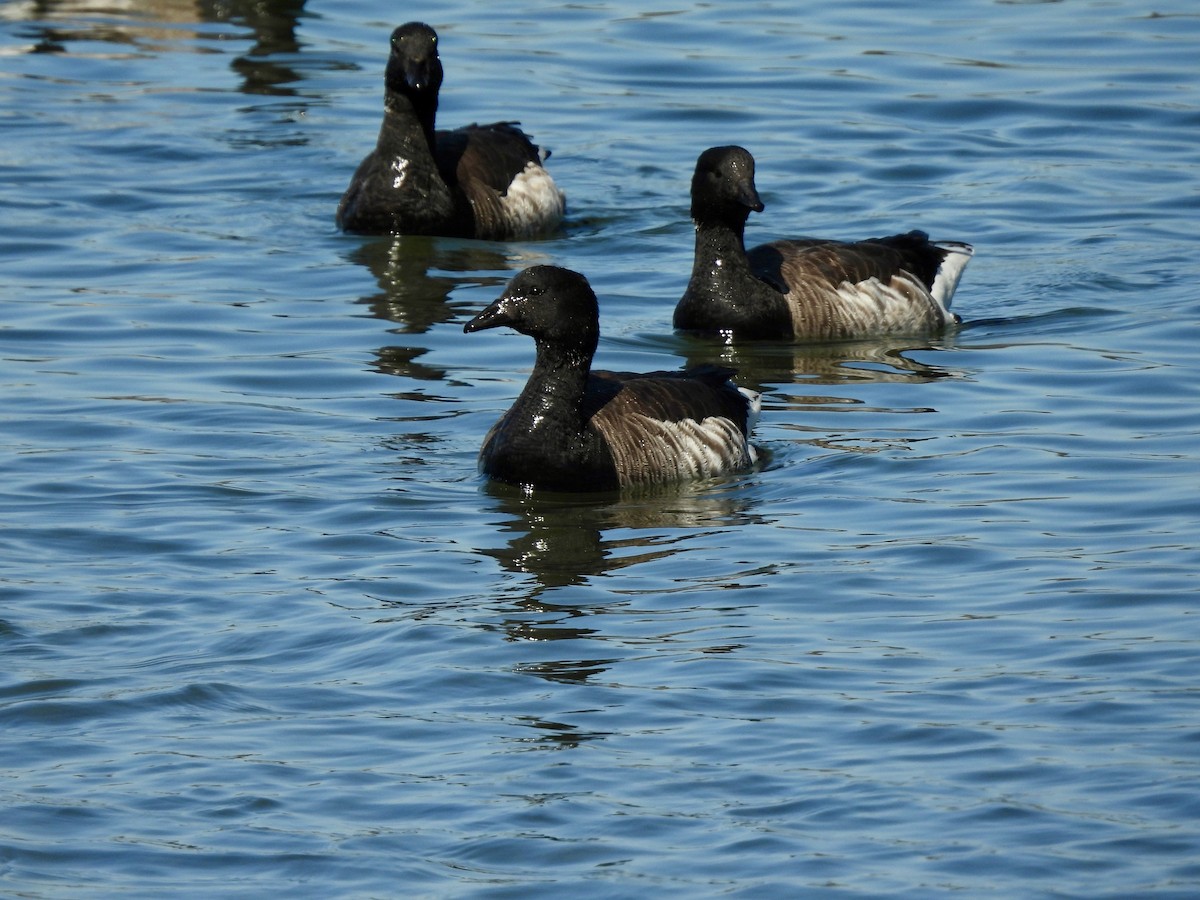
x=416, y=276
x=552, y=735
x=151, y=25
x=564, y=541
x=761, y=364
x=274, y=25
x=786, y=373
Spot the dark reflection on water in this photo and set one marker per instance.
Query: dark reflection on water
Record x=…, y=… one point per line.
x=273, y=23
x=553, y=735
x=785, y=374
x=563, y=539
x=55, y=24
x=764, y=363
x=154, y=27
x=558, y=542
x=403, y=361
x=416, y=276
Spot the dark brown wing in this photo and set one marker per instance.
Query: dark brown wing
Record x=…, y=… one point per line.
x=491, y=155
x=841, y=290
x=668, y=426
x=479, y=163
x=834, y=262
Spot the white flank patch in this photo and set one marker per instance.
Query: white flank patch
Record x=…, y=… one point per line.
x=400, y=167
x=901, y=305
x=533, y=202
x=687, y=449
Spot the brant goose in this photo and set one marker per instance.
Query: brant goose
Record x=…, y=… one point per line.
x=480, y=181
x=575, y=429
x=805, y=288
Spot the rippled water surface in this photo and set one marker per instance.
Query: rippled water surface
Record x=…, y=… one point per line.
x=265, y=631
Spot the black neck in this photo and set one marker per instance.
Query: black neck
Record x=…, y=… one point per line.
x=400, y=113
x=720, y=253
x=724, y=295
x=557, y=384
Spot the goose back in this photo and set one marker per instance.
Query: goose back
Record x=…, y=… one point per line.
x=836, y=290
x=675, y=426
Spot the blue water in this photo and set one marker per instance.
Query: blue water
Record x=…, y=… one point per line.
x=265, y=630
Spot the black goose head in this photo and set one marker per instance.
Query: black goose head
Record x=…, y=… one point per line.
x=554, y=306
x=414, y=69
x=723, y=188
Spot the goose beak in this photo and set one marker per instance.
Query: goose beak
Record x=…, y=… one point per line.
x=415, y=73
x=493, y=316
x=420, y=75
x=748, y=196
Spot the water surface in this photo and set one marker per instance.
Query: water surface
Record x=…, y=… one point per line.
x=266, y=629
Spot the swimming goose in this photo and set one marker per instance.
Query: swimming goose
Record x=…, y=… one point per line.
x=805, y=288
x=576, y=429
x=481, y=181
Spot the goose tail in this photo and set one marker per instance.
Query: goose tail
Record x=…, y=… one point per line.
x=950, y=271
x=753, y=410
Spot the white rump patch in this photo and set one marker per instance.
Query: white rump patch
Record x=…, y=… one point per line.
x=533, y=202
x=753, y=410
x=951, y=269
